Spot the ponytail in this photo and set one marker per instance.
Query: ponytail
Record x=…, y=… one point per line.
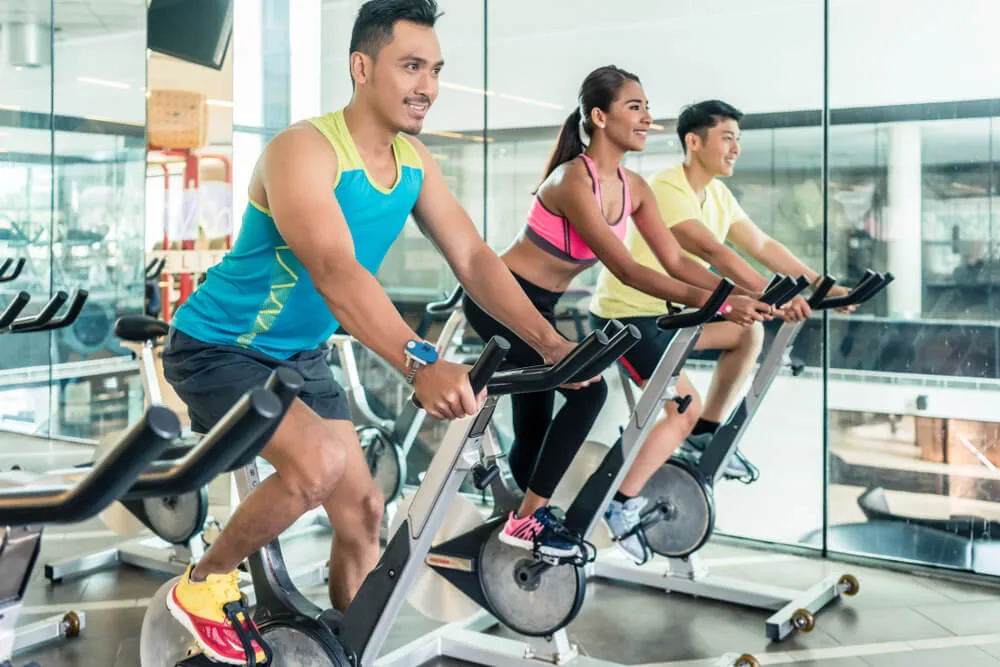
x=598, y=90
x=569, y=144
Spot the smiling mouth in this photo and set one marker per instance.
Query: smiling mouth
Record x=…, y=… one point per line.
x=418, y=107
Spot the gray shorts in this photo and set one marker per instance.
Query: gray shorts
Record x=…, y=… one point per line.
x=211, y=378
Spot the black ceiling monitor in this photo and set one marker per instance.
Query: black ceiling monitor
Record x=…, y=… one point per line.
x=196, y=31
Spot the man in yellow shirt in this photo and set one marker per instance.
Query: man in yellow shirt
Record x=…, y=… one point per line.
x=703, y=215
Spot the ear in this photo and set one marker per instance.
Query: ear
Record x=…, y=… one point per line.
x=692, y=141
x=598, y=119
x=361, y=67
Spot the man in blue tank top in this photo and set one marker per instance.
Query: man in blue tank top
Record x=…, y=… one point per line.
x=327, y=199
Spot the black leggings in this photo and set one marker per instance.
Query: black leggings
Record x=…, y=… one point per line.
x=544, y=445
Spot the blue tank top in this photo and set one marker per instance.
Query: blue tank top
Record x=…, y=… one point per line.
x=261, y=297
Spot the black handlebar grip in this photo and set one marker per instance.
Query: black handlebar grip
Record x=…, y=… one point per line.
x=17, y=269
x=489, y=361
x=43, y=316
x=443, y=307
x=286, y=384
x=74, y=310
x=773, y=295
x=14, y=309
x=824, y=287
x=776, y=280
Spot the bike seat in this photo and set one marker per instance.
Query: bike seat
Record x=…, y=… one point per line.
x=140, y=328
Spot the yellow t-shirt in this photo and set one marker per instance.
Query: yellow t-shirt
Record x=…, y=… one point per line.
x=676, y=202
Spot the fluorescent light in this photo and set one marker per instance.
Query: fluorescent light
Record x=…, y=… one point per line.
x=528, y=100
x=466, y=89
x=219, y=103
x=103, y=82
x=9, y=107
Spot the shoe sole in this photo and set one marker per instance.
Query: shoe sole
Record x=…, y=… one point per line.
x=530, y=546
x=184, y=619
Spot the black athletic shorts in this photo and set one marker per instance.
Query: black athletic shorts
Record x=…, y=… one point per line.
x=642, y=359
x=211, y=378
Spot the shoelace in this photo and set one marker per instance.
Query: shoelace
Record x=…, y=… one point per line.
x=588, y=552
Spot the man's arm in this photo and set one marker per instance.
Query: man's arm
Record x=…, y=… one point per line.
x=696, y=239
x=775, y=256
x=298, y=170
x=480, y=271
x=665, y=245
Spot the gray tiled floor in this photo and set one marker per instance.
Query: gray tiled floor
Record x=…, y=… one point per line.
x=897, y=619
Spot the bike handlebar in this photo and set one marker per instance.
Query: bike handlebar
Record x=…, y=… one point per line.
x=101, y=485
x=74, y=310
x=238, y=430
x=17, y=269
x=14, y=309
x=693, y=317
x=441, y=308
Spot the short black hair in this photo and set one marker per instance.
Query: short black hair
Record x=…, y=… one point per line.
x=698, y=118
x=373, y=25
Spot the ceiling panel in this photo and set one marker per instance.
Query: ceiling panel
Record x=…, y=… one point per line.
x=75, y=19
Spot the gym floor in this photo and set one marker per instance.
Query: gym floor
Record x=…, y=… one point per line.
x=897, y=619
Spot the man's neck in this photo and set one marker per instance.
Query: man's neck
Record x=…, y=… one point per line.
x=696, y=175
x=368, y=134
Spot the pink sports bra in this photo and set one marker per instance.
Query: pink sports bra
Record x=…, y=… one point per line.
x=555, y=235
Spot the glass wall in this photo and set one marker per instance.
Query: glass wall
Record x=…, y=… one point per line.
x=862, y=148
x=72, y=115
x=913, y=382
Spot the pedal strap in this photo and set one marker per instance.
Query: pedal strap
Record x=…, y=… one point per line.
x=246, y=632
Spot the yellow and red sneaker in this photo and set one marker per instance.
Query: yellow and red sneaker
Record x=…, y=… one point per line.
x=214, y=612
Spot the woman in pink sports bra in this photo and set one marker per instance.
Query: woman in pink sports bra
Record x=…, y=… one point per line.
x=577, y=218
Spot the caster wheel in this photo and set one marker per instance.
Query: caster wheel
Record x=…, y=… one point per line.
x=746, y=660
x=72, y=624
x=803, y=620
x=850, y=584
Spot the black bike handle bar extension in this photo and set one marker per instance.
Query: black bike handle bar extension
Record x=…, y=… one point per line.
x=42, y=316
x=14, y=309
x=694, y=317
x=17, y=269
x=446, y=306
x=103, y=484
x=74, y=310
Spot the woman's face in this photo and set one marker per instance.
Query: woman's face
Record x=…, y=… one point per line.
x=627, y=120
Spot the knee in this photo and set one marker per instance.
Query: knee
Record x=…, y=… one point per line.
x=316, y=475
x=752, y=340
x=371, y=509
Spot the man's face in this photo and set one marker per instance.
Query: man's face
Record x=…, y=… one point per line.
x=720, y=147
x=404, y=76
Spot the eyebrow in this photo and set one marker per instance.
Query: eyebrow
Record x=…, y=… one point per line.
x=636, y=100
x=422, y=61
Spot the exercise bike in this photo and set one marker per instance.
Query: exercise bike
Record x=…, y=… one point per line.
x=20, y=543
x=145, y=462
x=387, y=442
x=296, y=632
x=181, y=526
x=535, y=596
x=680, y=515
